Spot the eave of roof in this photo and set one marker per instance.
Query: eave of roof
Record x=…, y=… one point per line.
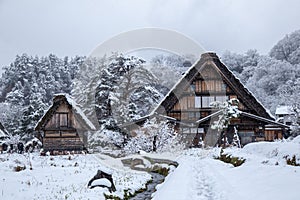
x=252, y=116
x=264, y=119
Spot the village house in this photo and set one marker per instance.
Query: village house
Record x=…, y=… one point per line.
x=64, y=127
x=188, y=104
x=285, y=114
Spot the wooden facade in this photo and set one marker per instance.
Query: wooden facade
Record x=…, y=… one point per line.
x=64, y=127
x=209, y=80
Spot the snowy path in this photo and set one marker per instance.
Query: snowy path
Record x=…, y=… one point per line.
x=204, y=185
x=264, y=175
x=193, y=179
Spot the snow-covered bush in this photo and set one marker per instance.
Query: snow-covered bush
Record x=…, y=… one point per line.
x=106, y=138
x=12, y=142
x=154, y=136
x=229, y=110
x=32, y=144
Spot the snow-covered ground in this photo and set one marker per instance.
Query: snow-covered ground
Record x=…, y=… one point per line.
x=62, y=177
x=264, y=175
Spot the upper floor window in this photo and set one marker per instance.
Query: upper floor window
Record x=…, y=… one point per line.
x=207, y=100
x=60, y=119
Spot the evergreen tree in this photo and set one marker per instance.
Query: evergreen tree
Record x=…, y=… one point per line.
x=28, y=86
x=288, y=49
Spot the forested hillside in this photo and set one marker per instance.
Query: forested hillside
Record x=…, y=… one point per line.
x=29, y=83
x=27, y=87
x=275, y=78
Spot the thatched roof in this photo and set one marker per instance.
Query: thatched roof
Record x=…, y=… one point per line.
x=3, y=132
x=57, y=101
x=212, y=60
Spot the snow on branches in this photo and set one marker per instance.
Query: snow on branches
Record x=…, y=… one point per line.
x=156, y=136
x=229, y=110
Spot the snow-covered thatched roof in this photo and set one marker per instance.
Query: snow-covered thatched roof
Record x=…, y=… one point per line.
x=3, y=132
x=212, y=60
x=57, y=100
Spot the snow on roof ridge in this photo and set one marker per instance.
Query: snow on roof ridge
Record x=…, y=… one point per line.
x=2, y=134
x=74, y=105
x=78, y=110
x=41, y=118
x=249, y=92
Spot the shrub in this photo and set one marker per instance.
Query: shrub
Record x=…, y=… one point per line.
x=19, y=168
x=292, y=161
x=160, y=170
x=235, y=161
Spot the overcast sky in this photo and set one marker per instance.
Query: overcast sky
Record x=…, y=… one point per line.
x=73, y=27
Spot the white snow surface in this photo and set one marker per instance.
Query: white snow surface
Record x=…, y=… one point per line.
x=199, y=176
x=264, y=175
x=102, y=181
x=284, y=110
x=2, y=134
x=63, y=177
x=79, y=111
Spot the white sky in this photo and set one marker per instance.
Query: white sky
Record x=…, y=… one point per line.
x=76, y=27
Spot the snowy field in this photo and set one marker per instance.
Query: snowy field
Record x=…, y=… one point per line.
x=62, y=177
x=264, y=175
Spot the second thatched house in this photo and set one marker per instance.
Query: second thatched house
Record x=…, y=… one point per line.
x=188, y=104
x=64, y=127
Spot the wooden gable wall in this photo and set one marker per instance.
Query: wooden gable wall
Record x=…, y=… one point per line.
x=62, y=131
x=208, y=81
x=207, y=86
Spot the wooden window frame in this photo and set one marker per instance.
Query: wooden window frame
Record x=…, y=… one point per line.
x=198, y=103
x=58, y=120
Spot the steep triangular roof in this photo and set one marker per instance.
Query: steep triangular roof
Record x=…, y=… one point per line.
x=3, y=132
x=211, y=59
x=57, y=101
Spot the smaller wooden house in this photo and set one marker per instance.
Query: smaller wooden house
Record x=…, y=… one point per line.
x=64, y=127
x=285, y=114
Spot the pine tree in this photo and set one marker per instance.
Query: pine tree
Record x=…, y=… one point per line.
x=28, y=86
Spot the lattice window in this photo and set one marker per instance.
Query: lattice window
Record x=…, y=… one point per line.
x=221, y=99
x=59, y=120
x=206, y=100
x=197, y=102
